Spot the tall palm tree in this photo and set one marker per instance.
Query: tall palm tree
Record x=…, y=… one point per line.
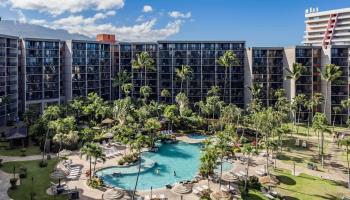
x=320, y=125
x=346, y=143
x=208, y=159
x=152, y=125
x=165, y=94
x=182, y=100
x=138, y=144
x=183, y=73
x=345, y=104
x=228, y=60
x=122, y=78
x=336, y=110
x=255, y=90
x=330, y=74
x=122, y=109
x=90, y=150
x=145, y=91
x=248, y=151
x=295, y=73
x=143, y=62
x=50, y=113
x=127, y=88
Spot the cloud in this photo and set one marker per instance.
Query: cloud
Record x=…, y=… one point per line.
x=147, y=8
x=89, y=26
x=178, y=15
x=57, y=7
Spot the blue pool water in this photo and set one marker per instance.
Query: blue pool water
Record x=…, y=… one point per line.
x=197, y=136
x=183, y=158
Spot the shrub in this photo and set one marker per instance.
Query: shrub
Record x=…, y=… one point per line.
x=13, y=182
x=205, y=195
x=128, y=159
x=22, y=172
x=253, y=183
x=95, y=182
x=43, y=163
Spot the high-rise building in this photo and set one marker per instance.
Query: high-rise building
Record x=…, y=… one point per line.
x=40, y=72
x=139, y=77
x=202, y=57
x=330, y=27
x=265, y=65
x=87, y=69
x=8, y=78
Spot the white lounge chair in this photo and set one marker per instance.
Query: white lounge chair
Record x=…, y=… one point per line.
x=147, y=197
x=161, y=196
x=297, y=142
x=304, y=144
x=260, y=172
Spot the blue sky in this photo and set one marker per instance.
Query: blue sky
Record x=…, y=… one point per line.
x=259, y=22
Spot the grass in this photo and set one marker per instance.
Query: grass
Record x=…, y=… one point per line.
x=30, y=150
x=255, y=195
x=40, y=176
x=308, y=187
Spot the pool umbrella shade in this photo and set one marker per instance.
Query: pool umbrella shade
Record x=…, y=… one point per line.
x=64, y=153
x=182, y=189
x=269, y=180
x=58, y=174
x=220, y=195
x=112, y=194
x=229, y=177
x=107, y=121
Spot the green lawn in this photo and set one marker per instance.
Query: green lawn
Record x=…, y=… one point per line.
x=305, y=187
x=41, y=180
x=30, y=150
x=255, y=195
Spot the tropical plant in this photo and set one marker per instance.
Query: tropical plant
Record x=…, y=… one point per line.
x=248, y=151
x=214, y=91
x=184, y=72
x=336, y=110
x=171, y=113
x=330, y=74
x=50, y=113
x=227, y=60
x=152, y=125
x=122, y=78
x=143, y=62
x=346, y=143
x=145, y=91
x=91, y=150
x=121, y=109
x=165, y=93
x=208, y=159
x=320, y=126
x=182, y=100
x=255, y=91
x=127, y=88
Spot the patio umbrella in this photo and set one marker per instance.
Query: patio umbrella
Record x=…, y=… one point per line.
x=182, y=189
x=221, y=195
x=269, y=180
x=65, y=152
x=58, y=174
x=229, y=177
x=112, y=194
x=107, y=121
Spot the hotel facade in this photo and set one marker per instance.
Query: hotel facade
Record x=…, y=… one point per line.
x=37, y=72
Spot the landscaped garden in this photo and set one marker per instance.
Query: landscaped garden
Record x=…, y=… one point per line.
x=95, y=127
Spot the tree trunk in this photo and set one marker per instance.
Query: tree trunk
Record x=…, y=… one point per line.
x=95, y=164
x=220, y=172
x=246, y=173
x=308, y=124
x=267, y=161
x=322, y=153
x=181, y=85
x=90, y=167
x=138, y=174
x=326, y=98
x=347, y=160
x=145, y=75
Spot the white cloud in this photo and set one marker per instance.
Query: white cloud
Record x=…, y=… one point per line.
x=21, y=17
x=140, y=18
x=147, y=8
x=177, y=15
x=57, y=7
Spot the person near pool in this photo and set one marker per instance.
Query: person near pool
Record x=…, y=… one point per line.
x=174, y=173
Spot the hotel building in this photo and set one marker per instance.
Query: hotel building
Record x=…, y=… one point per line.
x=328, y=27
x=8, y=78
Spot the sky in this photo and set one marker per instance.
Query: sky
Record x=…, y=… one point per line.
x=258, y=22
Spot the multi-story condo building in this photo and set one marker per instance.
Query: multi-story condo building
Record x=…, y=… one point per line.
x=201, y=56
x=40, y=72
x=124, y=53
x=8, y=78
x=266, y=67
x=309, y=82
x=87, y=69
x=327, y=27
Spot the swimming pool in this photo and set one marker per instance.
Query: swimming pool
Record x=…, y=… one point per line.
x=197, y=136
x=183, y=158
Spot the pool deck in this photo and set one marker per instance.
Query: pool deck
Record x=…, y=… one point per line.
x=187, y=139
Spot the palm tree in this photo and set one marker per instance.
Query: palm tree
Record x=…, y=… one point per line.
x=314, y=102
x=330, y=74
x=223, y=148
x=145, y=91
x=127, y=88
x=346, y=143
x=63, y=128
x=336, y=110
x=50, y=113
x=255, y=90
x=208, y=159
x=228, y=60
x=248, y=151
x=214, y=91
x=90, y=150
x=152, y=125
x=143, y=62
x=183, y=73
x=295, y=73
x=165, y=94
x=320, y=125
x=121, y=109
x=122, y=78
x=182, y=100
x=137, y=145
x=345, y=104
